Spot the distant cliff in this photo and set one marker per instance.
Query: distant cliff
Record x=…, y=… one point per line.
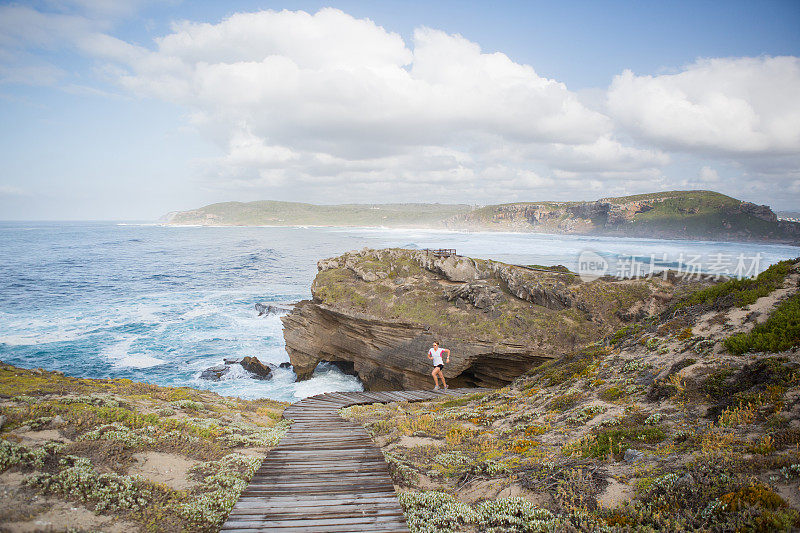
x=376, y=313
x=702, y=215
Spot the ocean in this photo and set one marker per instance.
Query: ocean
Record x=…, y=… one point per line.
x=160, y=304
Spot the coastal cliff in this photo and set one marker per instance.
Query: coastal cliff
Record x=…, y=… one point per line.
x=703, y=215
x=667, y=215
x=376, y=312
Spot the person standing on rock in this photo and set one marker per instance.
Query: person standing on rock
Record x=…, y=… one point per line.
x=435, y=354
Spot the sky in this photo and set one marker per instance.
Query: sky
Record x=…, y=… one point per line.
x=129, y=109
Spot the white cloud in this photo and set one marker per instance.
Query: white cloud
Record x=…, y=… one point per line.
x=327, y=107
x=305, y=98
x=708, y=175
x=729, y=106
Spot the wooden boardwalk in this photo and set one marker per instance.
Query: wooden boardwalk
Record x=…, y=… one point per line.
x=326, y=475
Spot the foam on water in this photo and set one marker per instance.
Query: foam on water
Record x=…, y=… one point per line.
x=160, y=304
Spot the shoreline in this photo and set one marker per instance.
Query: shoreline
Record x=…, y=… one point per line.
x=474, y=232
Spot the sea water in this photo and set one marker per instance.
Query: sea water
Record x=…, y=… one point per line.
x=160, y=304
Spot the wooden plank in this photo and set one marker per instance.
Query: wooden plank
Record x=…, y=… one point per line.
x=325, y=474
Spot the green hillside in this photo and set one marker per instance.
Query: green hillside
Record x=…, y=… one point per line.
x=272, y=213
x=704, y=215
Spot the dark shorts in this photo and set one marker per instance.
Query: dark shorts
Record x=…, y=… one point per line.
x=439, y=366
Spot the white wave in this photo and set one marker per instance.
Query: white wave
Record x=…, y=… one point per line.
x=139, y=361
x=34, y=339
x=236, y=372
x=326, y=379
x=120, y=354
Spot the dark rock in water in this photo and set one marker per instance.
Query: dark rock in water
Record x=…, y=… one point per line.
x=254, y=366
x=264, y=309
x=285, y=364
x=214, y=373
x=251, y=364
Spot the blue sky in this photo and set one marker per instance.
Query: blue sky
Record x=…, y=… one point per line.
x=119, y=110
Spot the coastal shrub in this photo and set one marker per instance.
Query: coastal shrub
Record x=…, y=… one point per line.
x=610, y=394
x=515, y=515
x=740, y=292
x=654, y=419
x=401, y=471
x=40, y=422
x=99, y=400
x=780, y=332
x=461, y=400
x=614, y=441
x=624, y=333
x=569, y=367
x=120, y=433
x=634, y=365
x=241, y=434
x=585, y=414
x=715, y=385
x=223, y=482
x=25, y=399
x=108, y=492
x=454, y=458
x=710, y=496
x=435, y=512
x=12, y=454
x=761, y=383
x=189, y=405
x=565, y=401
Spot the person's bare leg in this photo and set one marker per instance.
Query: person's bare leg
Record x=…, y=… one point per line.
x=435, y=377
x=441, y=375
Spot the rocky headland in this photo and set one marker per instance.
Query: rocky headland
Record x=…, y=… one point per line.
x=376, y=312
x=667, y=215
x=702, y=215
x=686, y=418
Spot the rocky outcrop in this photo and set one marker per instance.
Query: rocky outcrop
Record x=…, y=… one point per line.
x=258, y=369
x=380, y=311
x=761, y=212
x=390, y=355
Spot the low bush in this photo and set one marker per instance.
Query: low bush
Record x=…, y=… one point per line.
x=780, y=332
x=740, y=292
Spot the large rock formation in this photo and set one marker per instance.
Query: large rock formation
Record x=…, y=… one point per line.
x=391, y=355
x=380, y=310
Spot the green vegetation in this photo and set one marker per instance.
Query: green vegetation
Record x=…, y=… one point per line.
x=780, y=332
x=615, y=441
x=102, y=425
x=740, y=292
x=272, y=213
x=439, y=512
x=395, y=285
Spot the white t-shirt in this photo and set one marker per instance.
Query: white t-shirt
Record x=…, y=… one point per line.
x=437, y=356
